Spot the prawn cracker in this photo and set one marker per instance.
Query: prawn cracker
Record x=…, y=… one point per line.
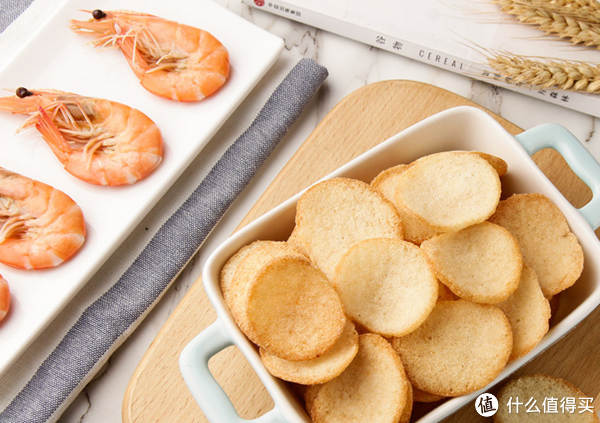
x=422, y=396
x=415, y=230
x=293, y=311
x=461, y=347
x=251, y=261
x=481, y=263
x=386, y=285
x=449, y=191
x=320, y=370
x=528, y=312
x=497, y=163
x=232, y=264
x=539, y=388
x=374, y=388
x=295, y=239
x=335, y=214
x=547, y=243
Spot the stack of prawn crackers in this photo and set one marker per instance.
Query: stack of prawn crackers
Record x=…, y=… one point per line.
x=419, y=286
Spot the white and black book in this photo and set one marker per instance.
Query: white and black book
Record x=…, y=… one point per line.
x=448, y=34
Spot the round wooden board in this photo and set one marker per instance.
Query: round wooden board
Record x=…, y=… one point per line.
x=366, y=117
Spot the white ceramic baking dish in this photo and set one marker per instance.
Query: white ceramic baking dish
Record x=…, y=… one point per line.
x=461, y=128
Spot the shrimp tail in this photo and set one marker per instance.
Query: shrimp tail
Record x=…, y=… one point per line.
x=136, y=61
x=51, y=134
x=17, y=105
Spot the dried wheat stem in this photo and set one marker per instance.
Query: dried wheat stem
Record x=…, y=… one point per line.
x=563, y=18
x=546, y=73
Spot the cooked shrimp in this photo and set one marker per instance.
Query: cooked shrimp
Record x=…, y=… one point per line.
x=172, y=60
x=40, y=226
x=4, y=298
x=98, y=141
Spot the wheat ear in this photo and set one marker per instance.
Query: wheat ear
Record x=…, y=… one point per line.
x=568, y=19
x=546, y=73
x=582, y=5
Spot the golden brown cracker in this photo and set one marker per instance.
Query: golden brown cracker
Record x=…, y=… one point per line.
x=386, y=285
x=321, y=369
x=450, y=190
x=481, y=263
x=528, y=312
x=258, y=255
x=461, y=347
x=547, y=243
x=415, y=230
x=335, y=214
x=374, y=388
x=293, y=311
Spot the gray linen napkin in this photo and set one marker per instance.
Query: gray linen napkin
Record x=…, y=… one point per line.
x=100, y=327
x=10, y=10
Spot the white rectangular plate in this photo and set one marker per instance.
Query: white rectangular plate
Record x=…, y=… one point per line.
x=57, y=58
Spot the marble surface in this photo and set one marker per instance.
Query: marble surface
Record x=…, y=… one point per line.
x=351, y=65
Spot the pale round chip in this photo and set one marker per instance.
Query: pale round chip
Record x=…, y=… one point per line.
x=460, y=348
x=422, y=396
x=295, y=240
x=481, y=263
x=373, y=389
x=251, y=261
x=321, y=369
x=386, y=285
x=335, y=214
x=385, y=181
x=449, y=191
x=415, y=230
x=230, y=267
x=528, y=312
x=547, y=243
x=310, y=395
x=556, y=400
x=497, y=163
x=293, y=310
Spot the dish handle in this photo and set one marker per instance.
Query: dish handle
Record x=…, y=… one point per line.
x=210, y=396
x=580, y=160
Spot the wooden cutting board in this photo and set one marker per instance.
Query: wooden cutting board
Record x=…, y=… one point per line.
x=368, y=116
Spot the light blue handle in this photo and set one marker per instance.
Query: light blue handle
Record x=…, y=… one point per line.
x=212, y=399
x=576, y=155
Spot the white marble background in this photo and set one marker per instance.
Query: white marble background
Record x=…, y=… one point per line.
x=351, y=65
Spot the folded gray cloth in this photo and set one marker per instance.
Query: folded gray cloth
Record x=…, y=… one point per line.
x=10, y=10
x=101, y=325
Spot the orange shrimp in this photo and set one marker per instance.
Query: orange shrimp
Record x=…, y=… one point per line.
x=40, y=226
x=98, y=141
x=172, y=60
x=4, y=298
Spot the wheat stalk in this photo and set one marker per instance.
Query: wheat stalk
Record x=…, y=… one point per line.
x=576, y=20
x=546, y=73
x=582, y=5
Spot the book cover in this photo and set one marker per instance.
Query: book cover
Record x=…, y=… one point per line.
x=451, y=35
